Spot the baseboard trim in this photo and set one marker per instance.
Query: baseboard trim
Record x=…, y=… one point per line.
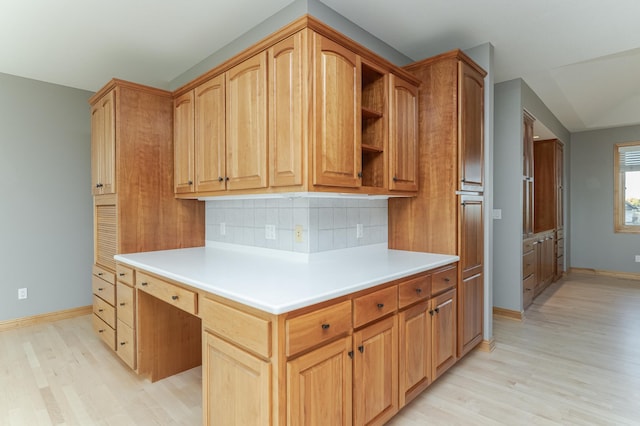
x=487, y=345
x=45, y=318
x=508, y=313
x=615, y=274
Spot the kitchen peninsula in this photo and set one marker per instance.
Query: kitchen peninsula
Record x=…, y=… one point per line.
x=279, y=331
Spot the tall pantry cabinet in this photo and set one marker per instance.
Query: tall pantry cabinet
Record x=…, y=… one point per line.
x=446, y=216
x=134, y=205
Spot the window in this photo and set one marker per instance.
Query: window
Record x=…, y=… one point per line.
x=627, y=187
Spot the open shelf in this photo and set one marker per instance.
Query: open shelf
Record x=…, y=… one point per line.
x=374, y=125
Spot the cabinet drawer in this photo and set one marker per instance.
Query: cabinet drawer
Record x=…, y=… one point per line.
x=414, y=290
x=560, y=233
x=126, y=304
x=125, y=275
x=528, y=245
x=444, y=279
x=528, y=289
x=104, y=274
x=106, y=333
x=316, y=327
x=103, y=289
x=528, y=264
x=105, y=311
x=374, y=305
x=167, y=292
x=126, y=344
x=238, y=327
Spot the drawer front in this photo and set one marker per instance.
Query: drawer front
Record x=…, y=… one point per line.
x=414, y=290
x=104, y=274
x=106, y=333
x=126, y=304
x=104, y=311
x=104, y=289
x=125, y=275
x=374, y=305
x=528, y=289
x=126, y=344
x=167, y=292
x=528, y=264
x=238, y=327
x=527, y=245
x=318, y=326
x=444, y=279
x=560, y=233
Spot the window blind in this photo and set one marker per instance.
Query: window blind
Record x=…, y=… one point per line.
x=629, y=160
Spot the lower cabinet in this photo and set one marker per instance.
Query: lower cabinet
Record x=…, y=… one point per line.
x=415, y=351
x=236, y=386
x=443, y=316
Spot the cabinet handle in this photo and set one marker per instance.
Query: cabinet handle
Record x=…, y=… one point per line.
x=99, y=185
x=100, y=310
x=100, y=288
x=226, y=178
x=144, y=283
x=380, y=305
x=174, y=297
x=190, y=182
x=123, y=343
x=361, y=349
x=463, y=180
x=325, y=326
x=395, y=178
x=99, y=274
x=350, y=353
x=121, y=274
x=447, y=279
x=418, y=290
x=360, y=174
x=122, y=303
x=437, y=310
x=101, y=331
x=220, y=178
x=431, y=312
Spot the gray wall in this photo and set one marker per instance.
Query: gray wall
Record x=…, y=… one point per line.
x=594, y=243
x=290, y=13
x=46, y=215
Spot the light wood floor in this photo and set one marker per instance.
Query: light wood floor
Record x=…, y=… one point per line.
x=574, y=360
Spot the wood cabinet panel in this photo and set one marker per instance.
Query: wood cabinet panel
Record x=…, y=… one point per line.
x=125, y=275
x=104, y=289
x=106, y=333
x=471, y=235
x=237, y=385
x=183, y=139
x=319, y=386
x=470, y=313
x=103, y=145
x=415, y=352
x=444, y=279
x=210, y=135
x=403, y=135
x=126, y=344
x=414, y=290
x=471, y=127
x=375, y=374
x=374, y=305
x=246, y=115
x=105, y=311
x=443, y=310
x=169, y=293
x=126, y=304
x=337, y=138
x=319, y=326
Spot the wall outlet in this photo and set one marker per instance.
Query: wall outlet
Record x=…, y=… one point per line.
x=22, y=293
x=270, y=232
x=223, y=228
x=497, y=213
x=359, y=230
x=638, y=258
x=297, y=232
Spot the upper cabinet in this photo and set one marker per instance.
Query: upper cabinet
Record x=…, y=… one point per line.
x=470, y=125
x=103, y=145
x=304, y=110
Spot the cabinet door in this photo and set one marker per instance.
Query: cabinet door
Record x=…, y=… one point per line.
x=559, y=186
x=415, y=352
x=210, y=135
x=337, y=140
x=246, y=161
x=183, y=143
x=319, y=386
x=103, y=145
x=375, y=372
x=286, y=127
x=237, y=385
x=471, y=128
x=403, y=140
x=443, y=322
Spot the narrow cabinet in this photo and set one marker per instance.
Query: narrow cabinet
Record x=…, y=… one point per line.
x=471, y=126
x=443, y=316
x=415, y=351
x=337, y=133
x=210, y=135
x=403, y=135
x=183, y=142
x=103, y=145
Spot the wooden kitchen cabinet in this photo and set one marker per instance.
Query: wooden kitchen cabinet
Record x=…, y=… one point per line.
x=403, y=144
x=184, y=167
x=443, y=317
x=415, y=352
x=471, y=126
x=103, y=146
x=319, y=386
x=527, y=176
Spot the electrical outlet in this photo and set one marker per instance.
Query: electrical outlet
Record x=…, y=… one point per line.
x=270, y=232
x=497, y=213
x=223, y=228
x=638, y=258
x=359, y=230
x=22, y=293
x=298, y=233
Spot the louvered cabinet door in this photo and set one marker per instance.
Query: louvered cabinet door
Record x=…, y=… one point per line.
x=105, y=239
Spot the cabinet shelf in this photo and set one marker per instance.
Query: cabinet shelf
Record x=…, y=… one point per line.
x=367, y=148
x=371, y=113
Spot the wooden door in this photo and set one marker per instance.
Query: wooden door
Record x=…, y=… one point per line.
x=470, y=313
x=337, y=155
x=403, y=131
x=210, y=135
x=236, y=385
x=375, y=372
x=443, y=332
x=470, y=128
x=103, y=145
x=183, y=143
x=415, y=352
x=319, y=386
x=246, y=106
x=527, y=176
x=559, y=161
x=287, y=124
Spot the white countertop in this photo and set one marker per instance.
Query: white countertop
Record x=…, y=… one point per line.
x=279, y=282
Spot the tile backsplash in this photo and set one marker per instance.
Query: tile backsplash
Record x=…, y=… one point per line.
x=327, y=223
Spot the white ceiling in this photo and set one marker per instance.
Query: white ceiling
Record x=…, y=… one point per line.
x=582, y=57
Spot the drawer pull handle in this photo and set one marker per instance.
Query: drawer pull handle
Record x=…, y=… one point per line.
x=431, y=312
x=122, y=303
x=122, y=274
x=325, y=326
x=123, y=343
x=99, y=274
x=101, y=331
x=361, y=349
x=437, y=310
x=418, y=290
x=144, y=283
x=447, y=279
x=174, y=297
x=100, y=288
x=100, y=310
x=380, y=305
x=350, y=353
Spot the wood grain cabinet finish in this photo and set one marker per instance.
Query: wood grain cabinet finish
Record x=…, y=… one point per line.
x=443, y=310
x=403, y=142
x=184, y=168
x=471, y=127
x=414, y=361
x=103, y=145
